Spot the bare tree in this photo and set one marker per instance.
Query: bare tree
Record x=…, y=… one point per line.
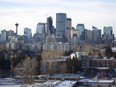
x=52, y=54
x=27, y=68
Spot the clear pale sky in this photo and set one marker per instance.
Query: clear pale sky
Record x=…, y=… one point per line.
x=28, y=13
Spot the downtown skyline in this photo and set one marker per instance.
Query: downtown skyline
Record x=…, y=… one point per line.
x=28, y=13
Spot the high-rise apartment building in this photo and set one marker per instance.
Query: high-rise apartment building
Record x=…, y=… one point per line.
x=49, y=25
x=61, y=25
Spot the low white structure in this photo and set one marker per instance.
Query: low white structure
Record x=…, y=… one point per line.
x=72, y=55
x=96, y=82
x=67, y=83
x=114, y=49
x=78, y=54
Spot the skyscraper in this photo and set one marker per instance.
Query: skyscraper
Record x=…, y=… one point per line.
x=69, y=23
x=49, y=26
x=40, y=28
x=10, y=33
x=96, y=35
x=41, y=31
x=68, y=29
x=3, y=36
x=81, y=29
x=108, y=30
x=88, y=36
x=27, y=34
x=108, y=35
x=61, y=25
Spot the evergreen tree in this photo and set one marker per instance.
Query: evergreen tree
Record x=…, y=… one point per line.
x=73, y=65
x=108, y=52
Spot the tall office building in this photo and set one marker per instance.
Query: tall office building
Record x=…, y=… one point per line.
x=108, y=35
x=74, y=36
x=81, y=29
x=41, y=32
x=108, y=30
x=61, y=26
x=96, y=35
x=27, y=34
x=68, y=23
x=10, y=33
x=49, y=25
x=68, y=28
x=3, y=36
x=88, y=36
x=40, y=28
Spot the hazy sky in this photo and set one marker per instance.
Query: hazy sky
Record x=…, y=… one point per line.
x=28, y=13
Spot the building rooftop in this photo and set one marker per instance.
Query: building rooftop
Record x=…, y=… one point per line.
x=114, y=49
x=97, y=81
x=67, y=83
x=66, y=76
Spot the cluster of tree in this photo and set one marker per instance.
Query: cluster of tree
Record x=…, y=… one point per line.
x=108, y=51
x=73, y=65
x=12, y=62
x=15, y=60
x=4, y=62
x=68, y=53
x=25, y=65
x=27, y=68
x=52, y=54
